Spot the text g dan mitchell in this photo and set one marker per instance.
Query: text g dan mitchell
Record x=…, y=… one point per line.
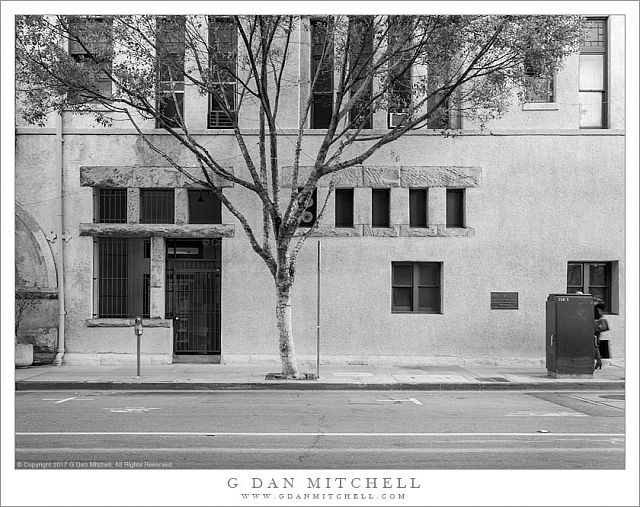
x=325, y=482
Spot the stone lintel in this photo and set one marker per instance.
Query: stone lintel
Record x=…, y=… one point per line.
x=381, y=177
x=128, y=322
x=418, y=232
x=163, y=230
x=145, y=177
x=330, y=231
x=385, y=232
x=439, y=176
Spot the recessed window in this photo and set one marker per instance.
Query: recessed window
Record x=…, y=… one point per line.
x=344, y=207
x=455, y=207
x=595, y=278
x=309, y=214
x=593, y=81
x=170, y=35
x=416, y=287
x=417, y=207
x=380, y=207
x=204, y=207
x=223, y=56
x=121, y=278
x=156, y=206
x=400, y=94
x=322, y=72
x=110, y=205
x=361, y=30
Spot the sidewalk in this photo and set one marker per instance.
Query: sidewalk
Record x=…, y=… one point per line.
x=184, y=376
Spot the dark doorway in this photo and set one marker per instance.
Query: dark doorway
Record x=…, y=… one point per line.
x=193, y=295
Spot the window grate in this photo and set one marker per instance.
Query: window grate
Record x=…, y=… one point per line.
x=110, y=206
x=157, y=206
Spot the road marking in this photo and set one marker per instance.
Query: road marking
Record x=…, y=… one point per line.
x=130, y=410
x=524, y=413
x=303, y=434
x=363, y=374
x=395, y=450
x=58, y=400
x=412, y=400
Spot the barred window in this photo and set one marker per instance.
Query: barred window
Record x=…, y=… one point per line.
x=157, y=206
x=121, y=278
x=110, y=205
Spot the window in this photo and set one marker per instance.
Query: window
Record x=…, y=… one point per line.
x=170, y=32
x=455, y=207
x=223, y=55
x=538, y=88
x=360, y=53
x=593, y=278
x=416, y=287
x=204, y=207
x=309, y=215
x=593, y=82
x=417, y=207
x=121, y=279
x=344, y=207
x=380, y=207
x=110, y=205
x=90, y=44
x=322, y=72
x=399, y=69
x=156, y=206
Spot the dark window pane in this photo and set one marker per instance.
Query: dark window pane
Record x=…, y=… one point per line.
x=204, y=207
x=322, y=91
x=403, y=299
x=455, y=207
x=322, y=111
x=429, y=299
x=418, y=207
x=380, y=207
x=598, y=274
x=574, y=275
x=156, y=206
x=171, y=109
x=403, y=274
x=344, y=207
x=429, y=274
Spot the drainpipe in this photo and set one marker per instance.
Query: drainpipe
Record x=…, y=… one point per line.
x=60, y=226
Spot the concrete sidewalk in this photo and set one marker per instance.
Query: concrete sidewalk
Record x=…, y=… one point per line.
x=182, y=376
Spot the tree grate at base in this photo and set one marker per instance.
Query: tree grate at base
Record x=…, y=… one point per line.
x=280, y=376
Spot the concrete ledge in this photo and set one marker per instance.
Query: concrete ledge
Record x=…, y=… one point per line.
x=164, y=230
x=128, y=322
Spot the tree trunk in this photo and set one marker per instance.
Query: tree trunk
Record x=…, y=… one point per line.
x=283, y=321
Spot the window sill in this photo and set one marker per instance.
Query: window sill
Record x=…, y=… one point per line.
x=394, y=312
x=540, y=106
x=128, y=322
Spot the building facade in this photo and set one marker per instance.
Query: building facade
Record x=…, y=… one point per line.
x=438, y=249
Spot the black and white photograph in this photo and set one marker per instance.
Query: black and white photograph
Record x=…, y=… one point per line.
x=320, y=253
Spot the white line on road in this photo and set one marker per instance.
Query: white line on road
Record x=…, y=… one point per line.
x=395, y=450
x=524, y=413
x=412, y=400
x=57, y=400
x=303, y=434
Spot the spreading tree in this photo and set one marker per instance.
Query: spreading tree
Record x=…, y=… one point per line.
x=417, y=68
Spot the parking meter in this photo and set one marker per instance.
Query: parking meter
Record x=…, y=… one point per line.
x=137, y=329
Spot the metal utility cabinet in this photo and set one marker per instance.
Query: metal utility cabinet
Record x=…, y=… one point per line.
x=570, y=338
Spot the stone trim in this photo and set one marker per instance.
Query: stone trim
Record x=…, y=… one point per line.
x=393, y=176
x=385, y=232
x=128, y=322
x=145, y=177
x=335, y=232
x=163, y=230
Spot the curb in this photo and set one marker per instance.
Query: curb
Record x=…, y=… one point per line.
x=310, y=386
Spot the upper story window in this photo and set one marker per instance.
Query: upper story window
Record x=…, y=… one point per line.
x=157, y=206
x=344, y=207
x=380, y=216
x=360, y=54
x=539, y=89
x=399, y=69
x=204, y=207
x=455, y=207
x=91, y=45
x=593, y=72
x=110, y=205
x=417, y=207
x=170, y=33
x=322, y=72
x=223, y=56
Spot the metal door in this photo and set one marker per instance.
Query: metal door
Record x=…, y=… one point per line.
x=193, y=294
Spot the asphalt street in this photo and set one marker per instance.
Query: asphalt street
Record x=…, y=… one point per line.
x=320, y=429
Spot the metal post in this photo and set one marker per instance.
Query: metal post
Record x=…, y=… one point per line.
x=138, y=359
x=318, y=320
x=138, y=329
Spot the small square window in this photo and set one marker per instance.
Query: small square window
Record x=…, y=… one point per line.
x=455, y=207
x=380, y=207
x=344, y=207
x=157, y=206
x=417, y=207
x=416, y=287
x=204, y=207
x=595, y=278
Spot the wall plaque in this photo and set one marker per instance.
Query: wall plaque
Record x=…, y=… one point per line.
x=504, y=300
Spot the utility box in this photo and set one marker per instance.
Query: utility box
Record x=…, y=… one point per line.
x=570, y=335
